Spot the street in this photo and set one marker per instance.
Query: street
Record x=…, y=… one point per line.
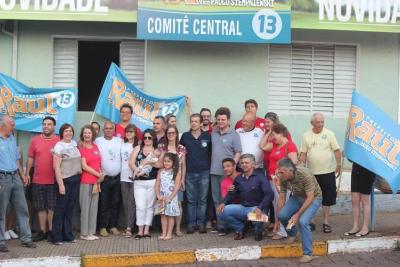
x=379, y=258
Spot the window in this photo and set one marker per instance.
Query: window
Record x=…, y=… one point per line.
x=74, y=61
x=307, y=78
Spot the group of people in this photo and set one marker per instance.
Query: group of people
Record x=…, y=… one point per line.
x=254, y=167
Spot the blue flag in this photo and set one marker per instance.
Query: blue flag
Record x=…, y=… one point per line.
x=117, y=90
x=373, y=140
x=29, y=106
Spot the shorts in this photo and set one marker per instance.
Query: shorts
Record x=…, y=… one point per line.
x=327, y=182
x=44, y=196
x=361, y=180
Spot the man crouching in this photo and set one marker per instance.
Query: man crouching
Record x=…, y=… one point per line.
x=255, y=195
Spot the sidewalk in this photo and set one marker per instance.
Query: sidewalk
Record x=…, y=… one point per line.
x=386, y=226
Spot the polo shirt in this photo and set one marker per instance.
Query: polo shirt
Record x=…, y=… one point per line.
x=8, y=154
x=198, y=151
x=304, y=181
x=252, y=191
x=319, y=148
x=259, y=123
x=251, y=144
x=223, y=146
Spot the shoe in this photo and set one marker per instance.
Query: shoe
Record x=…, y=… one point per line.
x=208, y=225
x=115, y=231
x=7, y=235
x=94, y=237
x=85, y=237
x=202, y=229
x=58, y=243
x=306, y=258
x=137, y=237
x=146, y=236
x=277, y=237
x=238, y=236
x=13, y=234
x=49, y=236
x=103, y=232
x=222, y=232
x=28, y=244
x=290, y=240
x=40, y=236
x=3, y=248
x=190, y=230
x=350, y=233
x=361, y=235
x=214, y=230
x=258, y=236
x=313, y=227
x=326, y=228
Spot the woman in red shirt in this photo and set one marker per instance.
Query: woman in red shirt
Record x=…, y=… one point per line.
x=281, y=148
x=90, y=183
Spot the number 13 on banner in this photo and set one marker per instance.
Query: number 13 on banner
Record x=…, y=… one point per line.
x=267, y=24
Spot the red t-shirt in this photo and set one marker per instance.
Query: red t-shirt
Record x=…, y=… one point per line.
x=259, y=123
x=40, y=151
x=225, y=184
x=120, y=132
x=93, y=160
x=277, y=154
x=267, y=153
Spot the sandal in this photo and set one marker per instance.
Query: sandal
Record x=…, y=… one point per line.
x=327, y=228
x=138, y=236
x=277, y=237
x=128, y=234
x=350, y=233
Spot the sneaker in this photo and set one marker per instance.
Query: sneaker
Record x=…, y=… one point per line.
x=85, y=237
x=290, y=240
x=58, y=243
x=13, y=234
x=115, y=231
x=3, y=248
x=306, y=259
x=214, y=230
x=7, y=235
x=103, y=232
x=28, y=244
x=202, y=229
x=208, y=225
x=190, y=230
x=40, y=236
x=238, y=236
x=94, y=237
x=222, y=232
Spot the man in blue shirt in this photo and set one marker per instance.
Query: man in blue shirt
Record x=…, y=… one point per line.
x=255, y=195
x=198, y=152
x=11, y=188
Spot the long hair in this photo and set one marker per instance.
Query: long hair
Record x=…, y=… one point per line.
x=132, y=127
x=175, y=162
x=176, y=137
x=153, y=136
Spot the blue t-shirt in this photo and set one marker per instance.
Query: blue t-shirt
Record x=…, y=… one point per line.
x=8, y=154
x=198, y=152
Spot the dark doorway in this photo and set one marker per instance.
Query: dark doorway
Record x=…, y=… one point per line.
x=94, y=60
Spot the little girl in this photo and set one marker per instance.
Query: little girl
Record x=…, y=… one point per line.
x=167, y=186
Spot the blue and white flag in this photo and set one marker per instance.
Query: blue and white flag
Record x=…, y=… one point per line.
x=117, y=90
x=28, y=106
x=373, y=140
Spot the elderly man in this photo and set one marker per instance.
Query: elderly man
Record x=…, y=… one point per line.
x=250, y=138
x=302, y=204
x=255, y=195
x=319, y=150
x=110, y=151
x=11, y=187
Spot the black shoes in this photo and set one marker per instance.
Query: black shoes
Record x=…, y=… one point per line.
x=28, y=244
x=3, y=248
x=258, y=236
x=238, y=236
x=40, y=236
x=190, y=230
x=202, y=229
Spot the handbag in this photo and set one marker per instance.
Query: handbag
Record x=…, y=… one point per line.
x=160, y=208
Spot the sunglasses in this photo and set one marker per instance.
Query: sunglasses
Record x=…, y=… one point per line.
x=147, y=138
x=171, y=133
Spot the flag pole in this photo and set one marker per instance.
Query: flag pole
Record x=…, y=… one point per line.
x=372, y=223
x=91, y=120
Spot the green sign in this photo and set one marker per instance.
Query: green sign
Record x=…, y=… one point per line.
x=347, y=15
x=72, y=10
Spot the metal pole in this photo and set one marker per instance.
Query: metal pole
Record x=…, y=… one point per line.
x=372, y=223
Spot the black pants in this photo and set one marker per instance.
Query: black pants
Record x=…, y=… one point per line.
x=110, y=197
x=62, y=219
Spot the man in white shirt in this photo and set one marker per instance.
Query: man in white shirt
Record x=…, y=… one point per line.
x=250, y=138
x=110, y=196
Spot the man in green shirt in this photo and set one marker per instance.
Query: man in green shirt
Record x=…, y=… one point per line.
x=304, y=202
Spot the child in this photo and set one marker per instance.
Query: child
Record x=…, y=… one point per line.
x=167, y=186
x=145, y=168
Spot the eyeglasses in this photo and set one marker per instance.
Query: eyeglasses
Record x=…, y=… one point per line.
x=171, y=133
x=147, y=138
x=130, y=131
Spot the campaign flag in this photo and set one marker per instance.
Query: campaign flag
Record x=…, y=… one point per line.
x=117, y=90
x=28, y=106
x=373, y=140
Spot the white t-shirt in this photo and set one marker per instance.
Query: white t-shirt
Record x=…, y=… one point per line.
x=250, y=144
x=110, y=151
x=126, y=172
x=70, y=158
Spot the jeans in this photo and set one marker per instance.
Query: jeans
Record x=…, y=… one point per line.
x=216, y=189
x=290, y=208
x=109, y=201
x=12, y=191
x=196, y=193
x=235, y=215
x=62, y=218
